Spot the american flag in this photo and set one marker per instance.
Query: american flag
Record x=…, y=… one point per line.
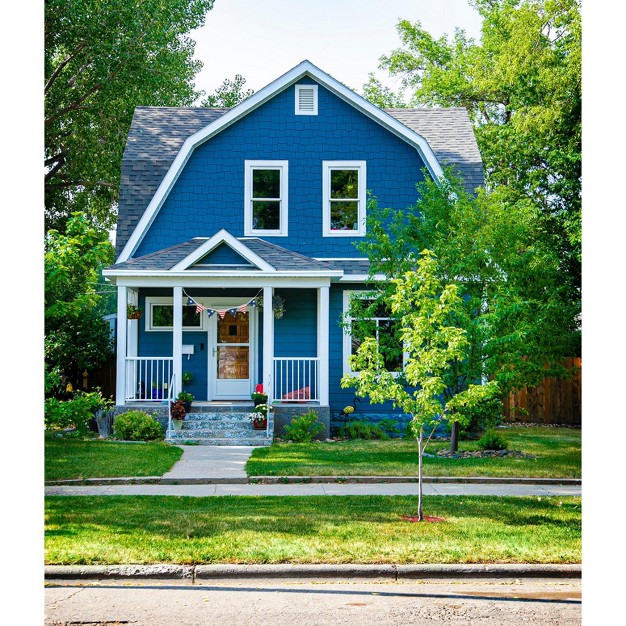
x=221, y=314
x=199, y=308
x=242, y=308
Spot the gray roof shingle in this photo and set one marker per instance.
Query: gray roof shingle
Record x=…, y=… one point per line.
x=157, y=134
x=280, y=259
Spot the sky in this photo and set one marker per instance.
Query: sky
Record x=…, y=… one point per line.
x=261, y=40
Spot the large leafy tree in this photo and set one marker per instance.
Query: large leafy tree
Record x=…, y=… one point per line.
x=76, y=338
x=229, y=93
x=101, y=60
x=521, y=84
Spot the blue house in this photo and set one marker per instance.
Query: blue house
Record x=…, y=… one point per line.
x=236, y=235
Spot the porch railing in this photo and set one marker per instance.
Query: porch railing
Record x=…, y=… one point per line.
x=148, y=379
x=296, y=379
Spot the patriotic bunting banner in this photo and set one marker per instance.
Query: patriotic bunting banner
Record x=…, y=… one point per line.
x=242, y=308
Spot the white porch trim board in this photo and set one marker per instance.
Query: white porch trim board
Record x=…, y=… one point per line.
x=268, y=340
x=120, y=382
x=177, y=339
x=323, y=336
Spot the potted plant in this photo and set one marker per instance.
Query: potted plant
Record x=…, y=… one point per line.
x=259, y=397
x=178, y=412
x=186, y=398
x=258, y=417
x=133, y=312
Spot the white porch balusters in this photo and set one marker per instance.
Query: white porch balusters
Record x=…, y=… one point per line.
x=268, y=341
x=122, y=327
x=322, y=342
x=177, y=338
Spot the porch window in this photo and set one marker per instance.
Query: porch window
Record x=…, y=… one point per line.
x=266, y=207
x=368, y=318
x=343, y=189
x=160, y=315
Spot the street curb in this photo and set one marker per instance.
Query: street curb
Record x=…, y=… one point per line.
x=291, y=480
x=206, y=573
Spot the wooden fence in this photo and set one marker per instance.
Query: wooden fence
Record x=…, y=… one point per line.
x=553, y=402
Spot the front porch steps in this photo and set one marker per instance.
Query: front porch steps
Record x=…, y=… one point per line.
x=220, y=425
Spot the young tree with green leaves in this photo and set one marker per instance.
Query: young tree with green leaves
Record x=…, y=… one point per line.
x=76, y=336
x=432, y=341
x=102, y=59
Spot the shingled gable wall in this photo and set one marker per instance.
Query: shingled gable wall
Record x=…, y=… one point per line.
x=209, y=193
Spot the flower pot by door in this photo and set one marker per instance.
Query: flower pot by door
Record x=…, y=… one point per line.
x=262, y=425
x=177, y=424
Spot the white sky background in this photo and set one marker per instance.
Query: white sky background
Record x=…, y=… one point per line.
x=262, y=39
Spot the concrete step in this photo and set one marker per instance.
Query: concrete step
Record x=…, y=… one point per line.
x=217, y=417
x=244, y=407
x=180, y=437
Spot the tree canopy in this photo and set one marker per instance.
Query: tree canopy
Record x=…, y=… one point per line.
x=521, y=84
x=101, y=60
x=76, y=338
x=229, y=93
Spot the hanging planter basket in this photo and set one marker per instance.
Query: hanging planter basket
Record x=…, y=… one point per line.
x=133, y=312
x=278, y=305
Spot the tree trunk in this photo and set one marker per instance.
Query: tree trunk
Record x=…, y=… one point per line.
x=419, y=474
x=454, y=437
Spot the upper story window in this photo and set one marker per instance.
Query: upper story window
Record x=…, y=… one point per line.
x=343, y=189
x=306, y=99
x=266, y=184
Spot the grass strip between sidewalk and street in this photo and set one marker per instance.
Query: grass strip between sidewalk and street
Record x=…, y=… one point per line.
x=557, y=453
x=312, y=529
x=68, y=458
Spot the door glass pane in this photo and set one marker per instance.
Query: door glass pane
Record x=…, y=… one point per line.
x=232, y=362
x=233, y=328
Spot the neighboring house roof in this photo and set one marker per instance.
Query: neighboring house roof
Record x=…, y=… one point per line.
x=157, y=135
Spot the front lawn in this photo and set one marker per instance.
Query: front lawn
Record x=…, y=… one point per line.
x=311, y=529
x=557, y=451
x=67, y=457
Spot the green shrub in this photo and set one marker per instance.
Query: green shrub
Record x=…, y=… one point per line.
x=137, y=426
x=493, y=440
x=486, y=415
x=302, y=429
x=389, y=426
x=362, y=430
x=77, y=412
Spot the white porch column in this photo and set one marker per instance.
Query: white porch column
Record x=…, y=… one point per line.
x=268, y=342
x=177, y=338
x=323, y=312
x=122, y=324
x=132, y=335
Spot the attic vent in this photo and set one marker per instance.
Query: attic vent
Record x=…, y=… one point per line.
x=306, y=99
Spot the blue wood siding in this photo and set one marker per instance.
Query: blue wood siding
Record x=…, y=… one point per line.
x=209, y=193
x=224, y=255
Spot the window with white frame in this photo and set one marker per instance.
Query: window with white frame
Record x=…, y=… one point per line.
x=368, y=317
x=160, y=315
x=266, y=202
x=343, y=189
x=306, y=99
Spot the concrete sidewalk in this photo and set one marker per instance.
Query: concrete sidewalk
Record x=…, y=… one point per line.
x=317, y=489
x=220, y=471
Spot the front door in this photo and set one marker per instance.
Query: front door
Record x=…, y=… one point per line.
x=232, y=356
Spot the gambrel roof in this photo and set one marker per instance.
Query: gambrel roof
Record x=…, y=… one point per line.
x=159, y=136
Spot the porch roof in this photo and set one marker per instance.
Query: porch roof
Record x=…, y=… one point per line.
x=277, y=258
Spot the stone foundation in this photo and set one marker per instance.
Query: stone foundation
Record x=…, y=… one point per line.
x=284, y=413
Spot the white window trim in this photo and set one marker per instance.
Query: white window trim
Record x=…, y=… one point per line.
x=283, y=167
x=299, y=111
x=164, y=300
x=327, y=166
x=347, y=333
